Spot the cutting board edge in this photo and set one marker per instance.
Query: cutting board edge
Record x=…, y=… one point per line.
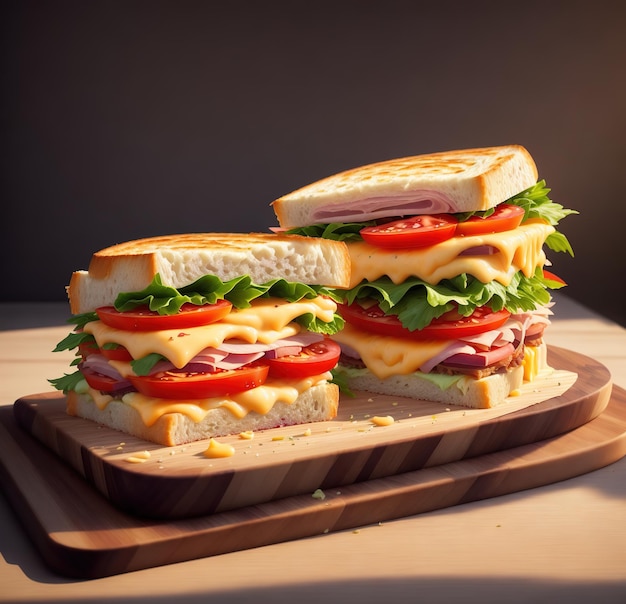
x=96, y=563
x=108, y=478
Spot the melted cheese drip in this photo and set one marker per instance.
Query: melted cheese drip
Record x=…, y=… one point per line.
x=518, y=249
x=266, y=321
x=535, y=362
x=385, y=356
x=217, y=450
x=260, y=400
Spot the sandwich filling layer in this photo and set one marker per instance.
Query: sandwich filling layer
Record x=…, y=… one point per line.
x=441, y=292
x=488, y=257
x=267, y=321
x=259, y=400
x=261, y=349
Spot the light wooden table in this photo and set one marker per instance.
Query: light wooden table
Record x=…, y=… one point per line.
x=565, y=542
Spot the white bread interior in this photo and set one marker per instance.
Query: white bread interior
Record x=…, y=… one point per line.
x=481, y=394
x=472, y=179
x=181, y=259
x=318, y=403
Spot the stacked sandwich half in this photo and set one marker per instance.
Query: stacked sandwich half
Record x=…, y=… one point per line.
x=449, y=292
x=187, y=337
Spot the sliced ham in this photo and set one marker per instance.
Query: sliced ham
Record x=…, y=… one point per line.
x=234, y=354
x=233, y=361
x=490, y=348
x=456, y=347
x=100, y=364
x=301, y=340
x=481, y=359
x=494, y=337
x=413, y=202
x=509, y=333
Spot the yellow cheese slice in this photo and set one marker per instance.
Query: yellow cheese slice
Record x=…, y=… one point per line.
x=385, y=356
x=520, y=249
x=260, y=400
x=268, y=320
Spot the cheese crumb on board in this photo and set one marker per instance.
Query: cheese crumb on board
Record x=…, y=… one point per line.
x=217, y=450
x=140, y=457
x=386, y=420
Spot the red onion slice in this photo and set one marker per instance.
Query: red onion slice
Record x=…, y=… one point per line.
x=100, y=364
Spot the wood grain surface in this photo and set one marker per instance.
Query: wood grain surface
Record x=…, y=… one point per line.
x=80, y=534
x=179, y=482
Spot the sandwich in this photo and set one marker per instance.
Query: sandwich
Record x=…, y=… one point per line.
x=449, y=293
x=187, y=337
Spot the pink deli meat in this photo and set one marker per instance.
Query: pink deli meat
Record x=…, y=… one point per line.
x=414, y=202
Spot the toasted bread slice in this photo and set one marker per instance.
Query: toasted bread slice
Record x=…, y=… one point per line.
x=483, y=393
x=475, y=393
x=181, y=259
x=316, y=404
x=446, y=182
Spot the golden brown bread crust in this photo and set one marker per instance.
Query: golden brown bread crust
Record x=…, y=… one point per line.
x=319, y=403
x=123, y=418
x=484, y=393
x=473, y=179
x=145, y=250
x=440, y=163
x=181, y=259
x=475, y=393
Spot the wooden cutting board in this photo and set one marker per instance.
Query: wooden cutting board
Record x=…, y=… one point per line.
x=80, y=534
x=149, y=480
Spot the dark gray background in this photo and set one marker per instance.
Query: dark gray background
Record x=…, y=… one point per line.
x=129, y=119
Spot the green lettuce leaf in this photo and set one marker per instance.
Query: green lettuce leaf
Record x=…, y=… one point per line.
x=144, y=365
x=240, y=292
x=417, y=303
x=342, y=375
x=537, y=204
x=311, y=323
x=82, y=319
x=339, y=231
x=74, y=340
x=340, y=378
x=69, y=381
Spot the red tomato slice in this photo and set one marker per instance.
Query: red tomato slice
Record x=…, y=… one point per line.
x=506, y=217
x=447, y=327
x=100, y=382
x=314, y=359
x=181, y=385
x=416, y=231
x=552, y=277
x=143, y=319
x=87, y=348
x=116, y=354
